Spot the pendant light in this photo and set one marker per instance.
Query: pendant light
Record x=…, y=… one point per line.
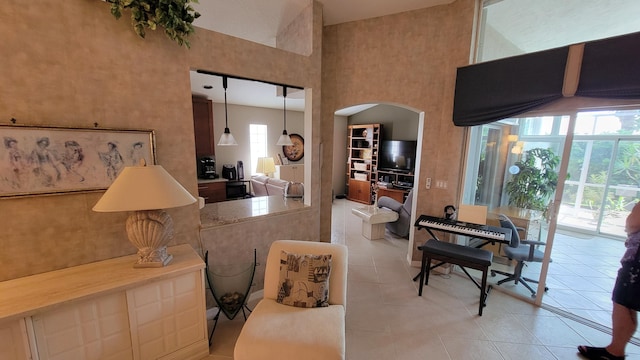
x=226, y=139
x=284, y=138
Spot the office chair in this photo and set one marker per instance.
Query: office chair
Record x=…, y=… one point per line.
x=522, y=251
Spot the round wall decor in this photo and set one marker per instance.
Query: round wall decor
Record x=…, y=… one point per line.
x=294, y=152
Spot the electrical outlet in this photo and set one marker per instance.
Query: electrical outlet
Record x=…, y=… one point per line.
x=441, y=184
x=428, y=185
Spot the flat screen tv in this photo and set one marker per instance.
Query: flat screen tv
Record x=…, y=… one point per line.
x=398, y=155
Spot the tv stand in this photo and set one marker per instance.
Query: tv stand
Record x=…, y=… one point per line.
x=399, y=179
x=398, y=195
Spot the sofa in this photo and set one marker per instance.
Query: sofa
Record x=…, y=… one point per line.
x=275, y=330
x=262, y=185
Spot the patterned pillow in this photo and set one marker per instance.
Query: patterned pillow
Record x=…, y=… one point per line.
x=304, y=280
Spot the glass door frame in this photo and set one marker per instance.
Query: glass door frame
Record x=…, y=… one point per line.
x=473, y=142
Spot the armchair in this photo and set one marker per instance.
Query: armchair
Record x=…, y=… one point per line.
x=401, y=226
x=278, y=331
x=521, y=251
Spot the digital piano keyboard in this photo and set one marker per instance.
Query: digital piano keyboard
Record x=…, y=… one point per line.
x=485, y=232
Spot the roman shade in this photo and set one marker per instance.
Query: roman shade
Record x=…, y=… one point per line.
x=611, y=68
x=496, y=90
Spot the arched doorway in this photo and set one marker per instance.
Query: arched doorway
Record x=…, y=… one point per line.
x=399, y=124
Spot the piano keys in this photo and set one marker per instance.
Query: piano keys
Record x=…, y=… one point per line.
x=488, y=233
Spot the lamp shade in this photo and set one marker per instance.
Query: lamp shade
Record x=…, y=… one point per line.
x=284, y=139
x=266, y=165
x=227, y=139
x=143, y=188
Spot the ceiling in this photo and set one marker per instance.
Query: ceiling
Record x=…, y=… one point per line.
x=267, y=18
x=531, y=26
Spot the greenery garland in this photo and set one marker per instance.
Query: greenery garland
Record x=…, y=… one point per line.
x=175, y=16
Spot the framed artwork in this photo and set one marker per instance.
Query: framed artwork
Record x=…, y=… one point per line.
x=43, y=160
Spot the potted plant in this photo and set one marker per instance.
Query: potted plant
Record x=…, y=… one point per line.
x=534, y=181
x=175, y=16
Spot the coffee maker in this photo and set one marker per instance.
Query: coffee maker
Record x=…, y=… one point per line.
x=207, y=167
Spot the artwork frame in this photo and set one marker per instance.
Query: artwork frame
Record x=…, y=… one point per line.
x=49, y=160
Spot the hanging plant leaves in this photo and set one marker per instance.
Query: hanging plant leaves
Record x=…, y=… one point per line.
x=175, y=16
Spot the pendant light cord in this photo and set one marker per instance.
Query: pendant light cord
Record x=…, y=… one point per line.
x=226, y=117
x=284, y=99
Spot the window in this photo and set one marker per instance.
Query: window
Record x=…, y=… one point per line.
x=258, y=144
x=508, y=28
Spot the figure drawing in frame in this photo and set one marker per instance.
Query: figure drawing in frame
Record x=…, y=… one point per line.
x=36, y=160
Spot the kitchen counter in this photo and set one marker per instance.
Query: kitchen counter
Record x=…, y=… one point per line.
x=206, y=181
x=237, y=211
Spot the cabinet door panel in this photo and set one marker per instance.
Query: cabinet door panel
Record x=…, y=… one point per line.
x=94, y=329
x=213, y=191
x=360, y=191
x=14, y=343
x=203, y=126
x=167, y=315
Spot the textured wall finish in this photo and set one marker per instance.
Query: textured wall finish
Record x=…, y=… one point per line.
x=72, y=64
x=409, y=59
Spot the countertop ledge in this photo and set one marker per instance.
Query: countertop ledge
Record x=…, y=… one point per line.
x=30, y=295
x=244, y=210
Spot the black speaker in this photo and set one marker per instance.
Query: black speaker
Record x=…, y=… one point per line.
x=240, y=170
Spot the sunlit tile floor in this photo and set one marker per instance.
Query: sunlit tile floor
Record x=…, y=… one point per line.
x=386, y=319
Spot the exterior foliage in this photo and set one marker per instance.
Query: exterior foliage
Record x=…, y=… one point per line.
x=534, y=184
x=175, y=16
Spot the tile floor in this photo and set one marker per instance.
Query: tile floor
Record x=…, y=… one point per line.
x=386, y=319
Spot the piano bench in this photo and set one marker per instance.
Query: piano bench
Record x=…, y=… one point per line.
x=463, y=256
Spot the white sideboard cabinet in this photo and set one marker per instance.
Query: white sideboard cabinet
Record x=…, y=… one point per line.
x=293, y=173
x=108, y=310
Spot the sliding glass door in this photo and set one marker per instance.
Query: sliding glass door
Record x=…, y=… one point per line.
x=603, y=175
x=513, y=171
x=597, y=185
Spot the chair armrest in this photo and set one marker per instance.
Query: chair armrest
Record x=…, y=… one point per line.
x=532, y=242
x=532, y=246
x=389, y=203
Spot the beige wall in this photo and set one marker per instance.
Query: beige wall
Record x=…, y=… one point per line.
x=408, y=59
x=72, y=64
x=243, y=117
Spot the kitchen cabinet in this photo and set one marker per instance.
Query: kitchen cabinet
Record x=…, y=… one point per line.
x=213, y=191
x=203, y=126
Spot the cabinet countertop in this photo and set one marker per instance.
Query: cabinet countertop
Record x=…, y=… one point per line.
x=32, y=294
x=206, y=181
x=236, y=211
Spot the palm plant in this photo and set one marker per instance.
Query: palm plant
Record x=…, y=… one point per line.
x=535, y=182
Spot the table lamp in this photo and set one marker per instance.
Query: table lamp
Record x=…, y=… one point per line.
x=266, y=165
x=146, y=191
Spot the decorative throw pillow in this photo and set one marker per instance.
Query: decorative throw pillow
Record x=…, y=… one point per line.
x=304, y=280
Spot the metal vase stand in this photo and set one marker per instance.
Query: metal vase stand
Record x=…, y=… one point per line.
x=230, y=286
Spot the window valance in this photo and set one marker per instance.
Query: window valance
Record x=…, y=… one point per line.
x=495, y=90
